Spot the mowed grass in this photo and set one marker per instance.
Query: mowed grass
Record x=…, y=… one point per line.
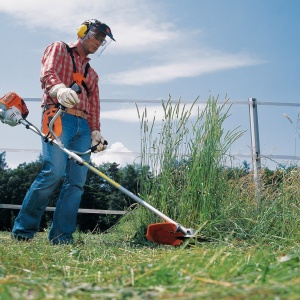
x=112, y=266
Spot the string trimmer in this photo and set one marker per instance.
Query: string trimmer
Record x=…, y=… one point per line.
x=14, y=112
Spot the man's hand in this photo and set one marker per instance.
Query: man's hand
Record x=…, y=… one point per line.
x=12, y=116
x=65, y=96
x=98, y=141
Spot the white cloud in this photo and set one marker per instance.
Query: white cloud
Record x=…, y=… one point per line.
x=131, y=115
x=117, y=153
x=136, y=24
x=182, y=67
x=162, y=50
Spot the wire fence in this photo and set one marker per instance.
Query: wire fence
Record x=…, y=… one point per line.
x=267, y=156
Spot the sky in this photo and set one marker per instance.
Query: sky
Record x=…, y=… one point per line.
x=233, y=49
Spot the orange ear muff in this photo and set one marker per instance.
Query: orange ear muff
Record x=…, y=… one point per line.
x=82, y=30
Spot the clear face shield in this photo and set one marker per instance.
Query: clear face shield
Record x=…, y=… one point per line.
x=97, y=37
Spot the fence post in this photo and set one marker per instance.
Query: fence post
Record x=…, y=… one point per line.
x=255, y=148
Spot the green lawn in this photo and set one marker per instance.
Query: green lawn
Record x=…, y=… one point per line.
x=107, y=266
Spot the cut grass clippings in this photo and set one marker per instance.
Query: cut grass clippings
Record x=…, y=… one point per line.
x=103, y=267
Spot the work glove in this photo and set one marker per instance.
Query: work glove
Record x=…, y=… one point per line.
x=12, y=116
x=98, y=141
x=65, y=96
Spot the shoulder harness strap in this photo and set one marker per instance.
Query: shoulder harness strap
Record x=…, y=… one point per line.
x=78, y=77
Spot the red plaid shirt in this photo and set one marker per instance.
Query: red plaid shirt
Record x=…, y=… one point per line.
x=57, y=67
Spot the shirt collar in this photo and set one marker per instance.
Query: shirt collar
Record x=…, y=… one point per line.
x=73, y=46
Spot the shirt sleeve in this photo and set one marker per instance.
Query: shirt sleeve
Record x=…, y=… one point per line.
x=52, y=64
x=94, y=100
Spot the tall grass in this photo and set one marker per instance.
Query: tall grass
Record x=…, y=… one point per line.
x=187, y=154
x=280, y=215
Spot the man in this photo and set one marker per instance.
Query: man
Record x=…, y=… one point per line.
x=65, y=70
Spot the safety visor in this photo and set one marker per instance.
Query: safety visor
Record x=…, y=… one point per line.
x=95, y=34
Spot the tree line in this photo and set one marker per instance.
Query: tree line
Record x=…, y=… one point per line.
x=98, y=193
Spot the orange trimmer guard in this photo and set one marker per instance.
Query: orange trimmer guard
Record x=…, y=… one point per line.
x=164, y=233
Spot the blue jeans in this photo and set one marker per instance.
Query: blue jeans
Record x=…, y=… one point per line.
x=76, y=136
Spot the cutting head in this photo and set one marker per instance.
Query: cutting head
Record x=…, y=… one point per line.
x=165, y=233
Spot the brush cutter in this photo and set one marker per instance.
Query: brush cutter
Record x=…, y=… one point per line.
x=168, y=232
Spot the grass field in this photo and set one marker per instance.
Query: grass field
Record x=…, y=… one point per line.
x=111, y=266
x=252, y=250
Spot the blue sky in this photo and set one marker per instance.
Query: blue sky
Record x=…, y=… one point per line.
x=188, y=49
